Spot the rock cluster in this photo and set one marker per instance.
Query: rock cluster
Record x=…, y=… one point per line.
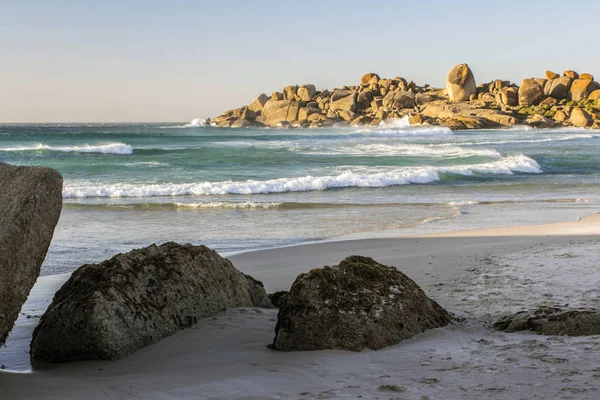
x=109, y=310
x=538, y=102
x=553, y=321
x=31, y=202
x=354, y=305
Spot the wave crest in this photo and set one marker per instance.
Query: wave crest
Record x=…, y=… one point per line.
x=364, y=179
x=109, y=148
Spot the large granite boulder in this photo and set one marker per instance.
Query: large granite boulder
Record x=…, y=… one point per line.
x=259, y=103
x=109, y=310
x=399, y=100
x=342, y=99
x=558, y=88
x=581, y=89
x=508, y=96
x=553, y=321
x=580, y=118
x=571, y=74
x=460, y=83
x=276, y=111
x=595, y=95
x=531, y=93
x=306, y=92
x=370, y=77
x=354, y=305
x=30, y=201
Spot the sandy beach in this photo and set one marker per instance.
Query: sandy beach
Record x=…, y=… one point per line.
x=477, y=275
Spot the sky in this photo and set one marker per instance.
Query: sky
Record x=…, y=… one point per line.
x=154, y=61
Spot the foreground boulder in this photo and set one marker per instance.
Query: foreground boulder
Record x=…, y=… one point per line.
x=109, y=310
x=354, y=305
x=553, y=321
x=30, y=201
x=460, y=83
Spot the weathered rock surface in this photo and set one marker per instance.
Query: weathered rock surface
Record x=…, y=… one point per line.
x=580, y=118
x=371, y=77
x=30, y=201
x=530, y=93
x=259, y=103
x=343, y=100
x=354, y=305
x=460, y=83
x=553, y=321
x=306, y=92
x=558, y=88
x=109, y=310
x=581, y=89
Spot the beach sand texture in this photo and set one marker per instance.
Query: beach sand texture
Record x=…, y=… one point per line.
x=478, y=275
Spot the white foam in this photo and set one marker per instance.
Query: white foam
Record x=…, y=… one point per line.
x=367, y=177
x=109, y=148
x=230, y=205
x=400, y=149
x=198, y=122
x=395, y=123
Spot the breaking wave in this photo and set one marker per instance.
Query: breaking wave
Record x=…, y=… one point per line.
x=364, y=179
x=109, y=148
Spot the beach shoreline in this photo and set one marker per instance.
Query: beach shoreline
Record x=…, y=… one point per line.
x=226, y=356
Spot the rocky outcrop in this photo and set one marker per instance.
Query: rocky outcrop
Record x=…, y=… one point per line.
x=553, y=321
x=460, y=83
x=538, y=102
x=31, y=202
x=354, y=305
x=109, y=310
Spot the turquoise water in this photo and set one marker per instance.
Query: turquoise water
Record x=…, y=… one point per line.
x=131, y=185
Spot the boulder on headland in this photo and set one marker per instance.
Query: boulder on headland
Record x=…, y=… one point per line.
x=460, y=83
x=369, y=78
x=531, y=93
x=571, y=74
x=343, y=100
x=558, y=88
x=595, y=95
x=354, y=305
x=551, y=75
x=306, y=92
x=580, y=118
x=581, y=89
x=259, y=103
x=31, y=202
x=553, y=321
x=586, y=76
x=109, y=310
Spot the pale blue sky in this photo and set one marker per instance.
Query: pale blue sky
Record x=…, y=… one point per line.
x=176, y=60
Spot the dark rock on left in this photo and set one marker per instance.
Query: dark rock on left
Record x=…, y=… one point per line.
x=30, y=206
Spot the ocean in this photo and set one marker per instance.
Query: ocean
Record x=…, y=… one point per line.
x=131, y=185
